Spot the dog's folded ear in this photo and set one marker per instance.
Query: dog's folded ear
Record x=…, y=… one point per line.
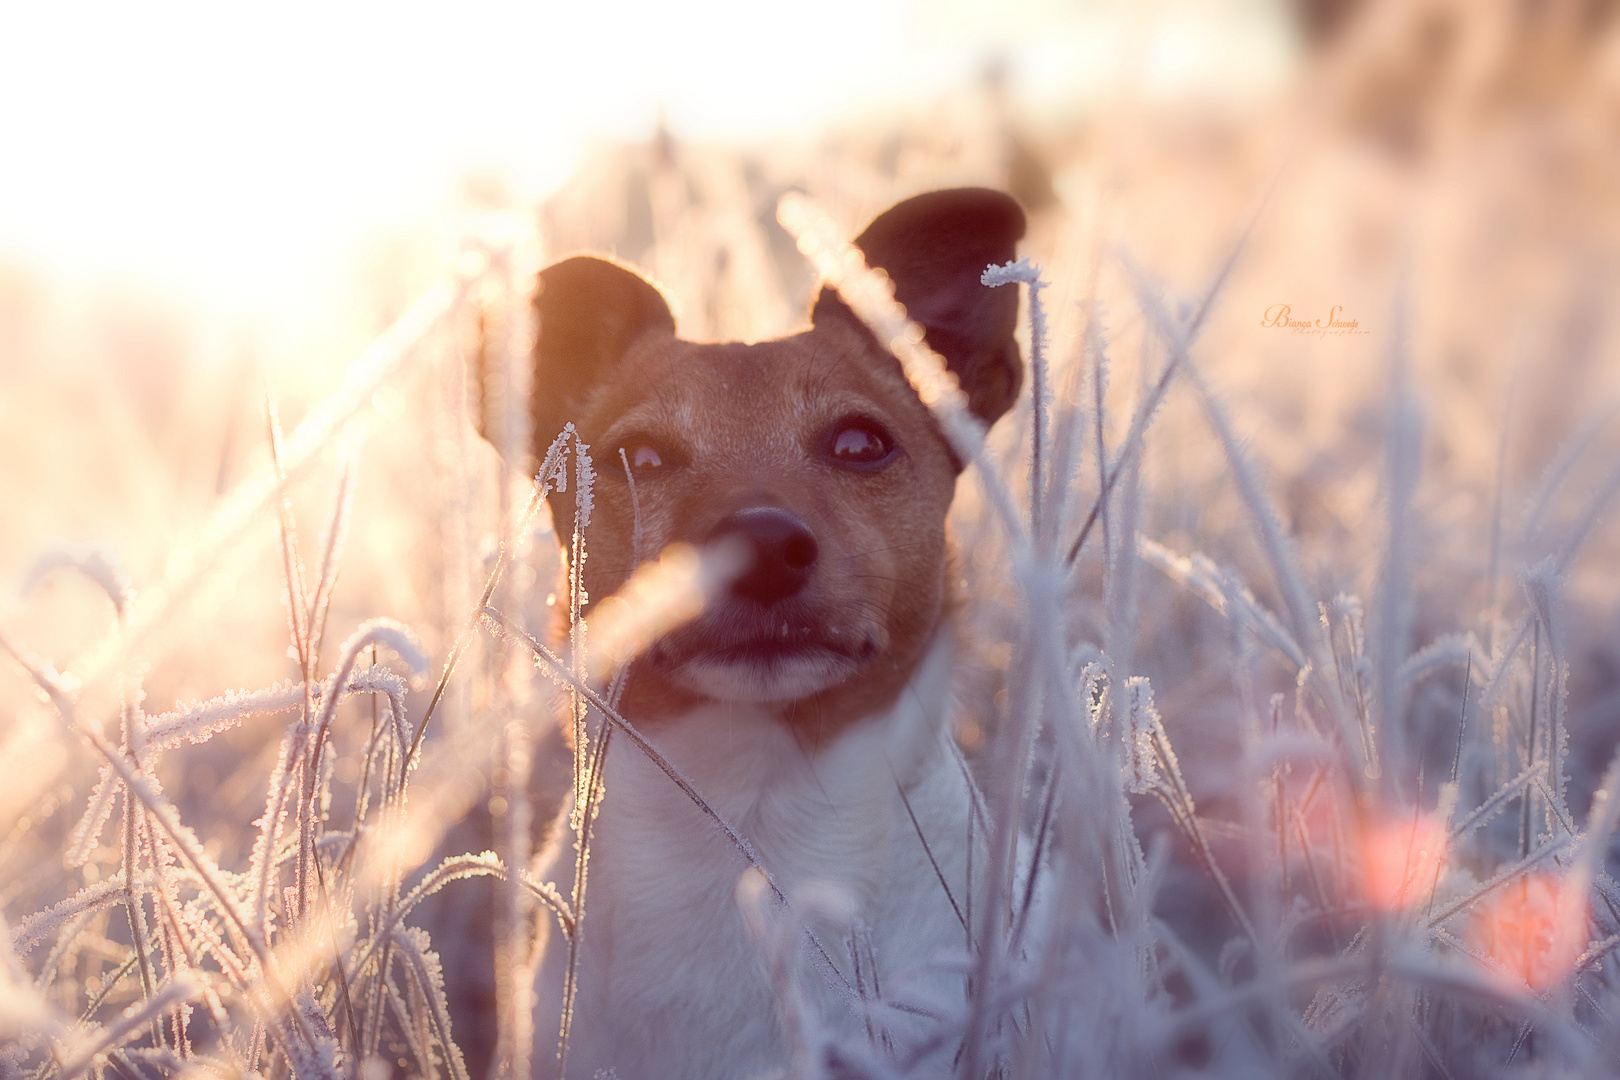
x=590, y=311
x=934, y=247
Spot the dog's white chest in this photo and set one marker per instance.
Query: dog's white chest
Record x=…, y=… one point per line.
x=670, y=982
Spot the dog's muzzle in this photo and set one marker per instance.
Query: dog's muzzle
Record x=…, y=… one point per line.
x=781, y=552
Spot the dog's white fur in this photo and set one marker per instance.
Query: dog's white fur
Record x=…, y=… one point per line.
x=663, y=938
x=809, y=705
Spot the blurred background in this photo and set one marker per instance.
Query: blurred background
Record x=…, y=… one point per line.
x=200, y=203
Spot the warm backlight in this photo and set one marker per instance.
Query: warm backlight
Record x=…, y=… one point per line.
x=1400, y=857
x=1517, y=927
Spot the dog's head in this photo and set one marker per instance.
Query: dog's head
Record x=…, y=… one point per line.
x=811, y=453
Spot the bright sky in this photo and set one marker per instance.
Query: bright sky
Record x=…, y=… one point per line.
x=228, y=151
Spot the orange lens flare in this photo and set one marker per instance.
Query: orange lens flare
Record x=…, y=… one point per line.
x=1517, y=926
x=1400, y=857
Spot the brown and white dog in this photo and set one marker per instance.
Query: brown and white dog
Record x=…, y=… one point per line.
x=808, y=705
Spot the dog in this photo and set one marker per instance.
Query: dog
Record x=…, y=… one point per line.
x=808, y=704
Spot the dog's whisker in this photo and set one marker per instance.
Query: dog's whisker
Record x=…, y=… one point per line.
x=890, y=547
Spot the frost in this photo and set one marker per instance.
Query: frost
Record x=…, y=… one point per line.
x=95, y=562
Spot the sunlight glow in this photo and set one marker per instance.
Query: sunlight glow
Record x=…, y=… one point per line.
x=229, y=151
x=1400, y=857
x=240, y=155
x=1517, y=925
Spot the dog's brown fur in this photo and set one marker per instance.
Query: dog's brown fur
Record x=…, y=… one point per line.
x=754, y=428
x=741, y=426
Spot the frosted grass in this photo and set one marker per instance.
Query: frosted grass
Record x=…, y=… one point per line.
x=1361, y=907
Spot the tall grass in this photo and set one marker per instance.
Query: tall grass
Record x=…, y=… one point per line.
x=1251, y=803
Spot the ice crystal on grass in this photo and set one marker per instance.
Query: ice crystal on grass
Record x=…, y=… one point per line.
x=93, y=561
x=1310, y=800
x=250, y=970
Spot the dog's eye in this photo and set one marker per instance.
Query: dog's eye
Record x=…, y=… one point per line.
x=645, y=457
x=860, y=443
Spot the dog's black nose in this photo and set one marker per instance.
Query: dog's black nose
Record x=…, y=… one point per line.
x=782, y=549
